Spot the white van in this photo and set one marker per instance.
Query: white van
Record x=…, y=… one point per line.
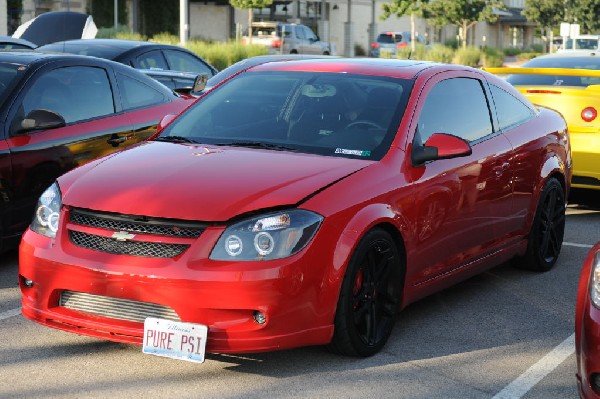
x=581, y=42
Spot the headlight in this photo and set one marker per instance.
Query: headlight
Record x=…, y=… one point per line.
x=271, y=236
x=47, y=212
x=595, y=291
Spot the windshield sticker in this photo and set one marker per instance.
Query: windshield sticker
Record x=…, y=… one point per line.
x=317, y=91
x=353, y=152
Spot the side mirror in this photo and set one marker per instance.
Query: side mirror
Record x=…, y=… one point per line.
x=200, y=83
x=440, y=146
x=41, y=119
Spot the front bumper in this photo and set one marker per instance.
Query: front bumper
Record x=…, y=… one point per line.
x=221, y=295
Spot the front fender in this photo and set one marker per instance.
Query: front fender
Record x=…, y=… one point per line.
x=361, y=222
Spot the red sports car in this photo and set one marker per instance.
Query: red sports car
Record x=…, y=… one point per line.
x=300, y=203
x=587, y=326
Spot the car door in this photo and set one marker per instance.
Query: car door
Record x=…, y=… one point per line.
x=310, y=44
x=83, y=96
x=463, y=204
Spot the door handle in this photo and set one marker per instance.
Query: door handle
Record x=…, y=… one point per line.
x=500, y=169
x=116, y=140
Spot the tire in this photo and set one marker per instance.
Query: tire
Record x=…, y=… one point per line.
x=547, y=231
x=369, y=297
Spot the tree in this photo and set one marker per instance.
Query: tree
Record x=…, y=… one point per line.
x=547, y=13
x=464, y=13
x=416, y=8
x=103, y=12
x=586, y=12
x=250, y=5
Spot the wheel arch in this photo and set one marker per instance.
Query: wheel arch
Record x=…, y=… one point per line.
x=365, y=220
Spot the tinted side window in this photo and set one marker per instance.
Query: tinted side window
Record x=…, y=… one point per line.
x=456, y=106
x=152, y=60
x=76, y=93
x=510, y=110
x=136, y=94
x=180, y=61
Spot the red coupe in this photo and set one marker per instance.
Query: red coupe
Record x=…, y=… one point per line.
x=300, y=203
x=587, y=326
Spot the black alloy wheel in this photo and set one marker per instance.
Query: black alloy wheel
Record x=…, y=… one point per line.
x=547, y=231
x=369, y=297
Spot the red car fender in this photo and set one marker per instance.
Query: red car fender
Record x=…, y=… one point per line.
x=362, y=221
x=552, y=167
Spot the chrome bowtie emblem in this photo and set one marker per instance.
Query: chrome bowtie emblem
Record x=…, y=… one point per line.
x=122, y=235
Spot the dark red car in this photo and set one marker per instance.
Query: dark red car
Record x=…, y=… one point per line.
x=587, y=326
x=300, y=203
x=61, y=111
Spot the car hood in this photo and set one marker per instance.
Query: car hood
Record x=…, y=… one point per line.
x=203, y=183
x=57, y=26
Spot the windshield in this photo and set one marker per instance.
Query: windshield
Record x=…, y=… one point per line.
x=558, y=80
x=333, y=114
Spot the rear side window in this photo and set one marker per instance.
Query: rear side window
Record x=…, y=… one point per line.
x=180, y=61
x=456, y=106
x=509, y=109
x=152, y=60
x=137, y=94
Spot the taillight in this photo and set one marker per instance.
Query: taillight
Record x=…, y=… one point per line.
x=276, y=43
x=538, y=91
x=375, y=45
x=589, y=114
x=401, y=45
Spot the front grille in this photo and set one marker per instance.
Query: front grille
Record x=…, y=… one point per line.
x=134, y=248
x=169, y=230
x=115, y=308
x=137, y=224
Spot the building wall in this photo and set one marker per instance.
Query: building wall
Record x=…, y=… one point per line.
x=209, y=21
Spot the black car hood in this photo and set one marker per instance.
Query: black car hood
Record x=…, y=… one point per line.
x=56, y=26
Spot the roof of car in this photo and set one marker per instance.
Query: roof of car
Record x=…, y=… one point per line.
x=103, y=48
x=408, y=69
x=571, y=54
x=27, y=56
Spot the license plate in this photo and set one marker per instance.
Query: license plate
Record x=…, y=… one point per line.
x=177, y=340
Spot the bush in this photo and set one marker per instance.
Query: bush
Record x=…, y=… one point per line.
x=122, y=32
x=492, y=57
x=527, y=56
x=469, y=56
x=359, y=50
x=452, y=43
x=511, y=51
x=165, y=38
x=536, y=48
x=221, y=55
x=407, y=53
x=439, y=53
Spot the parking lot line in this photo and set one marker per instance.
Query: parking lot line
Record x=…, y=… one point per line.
x=572, y=244
x=538, y=371
x=10, y=313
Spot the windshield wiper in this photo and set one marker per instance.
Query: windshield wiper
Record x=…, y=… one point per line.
x=175, y=139
x=258, y=144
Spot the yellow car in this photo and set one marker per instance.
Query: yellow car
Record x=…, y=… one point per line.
x=568, y=82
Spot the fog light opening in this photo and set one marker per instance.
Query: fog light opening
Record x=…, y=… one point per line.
x=259, y=317
x=27, y=282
